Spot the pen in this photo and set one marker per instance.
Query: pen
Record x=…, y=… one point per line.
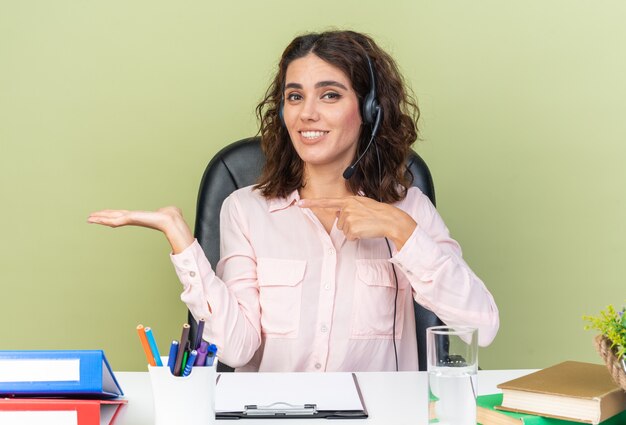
x=145, y=345
x=199, y=331
x=153, y=346
x=202, y=352
x=192, y=359
x=184, y=341
x=211, y=355
x=171, y=360
x=183, y=365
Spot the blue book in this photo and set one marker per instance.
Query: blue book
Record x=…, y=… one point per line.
x=63, y=373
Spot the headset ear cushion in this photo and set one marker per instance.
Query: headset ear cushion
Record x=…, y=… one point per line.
x=370, y=103
x=370, y=108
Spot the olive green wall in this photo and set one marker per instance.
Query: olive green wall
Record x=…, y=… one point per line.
x=120, y=104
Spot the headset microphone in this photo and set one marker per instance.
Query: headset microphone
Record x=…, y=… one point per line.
x=348, y=172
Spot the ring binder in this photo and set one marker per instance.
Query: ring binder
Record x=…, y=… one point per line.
x=78, y=373
x=280, y=408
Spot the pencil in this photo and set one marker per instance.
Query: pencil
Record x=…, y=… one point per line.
x=153, y=346
x=145, y=345
x=182, y=348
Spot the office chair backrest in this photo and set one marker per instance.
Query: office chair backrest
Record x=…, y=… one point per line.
x=239, y=165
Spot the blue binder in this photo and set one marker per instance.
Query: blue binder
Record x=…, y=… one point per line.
x=76, y=373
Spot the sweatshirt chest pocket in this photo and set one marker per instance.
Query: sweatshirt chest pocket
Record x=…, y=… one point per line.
x=374, y=296
x=280, y=296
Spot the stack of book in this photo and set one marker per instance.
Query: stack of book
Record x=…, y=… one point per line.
x=58, y=387
x=567, y=393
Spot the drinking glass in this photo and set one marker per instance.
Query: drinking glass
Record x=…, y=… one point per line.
x=452, y=353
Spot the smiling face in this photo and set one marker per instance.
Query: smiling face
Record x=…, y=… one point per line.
x=321, y=113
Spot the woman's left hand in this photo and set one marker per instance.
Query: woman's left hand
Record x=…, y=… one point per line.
x=360, y=217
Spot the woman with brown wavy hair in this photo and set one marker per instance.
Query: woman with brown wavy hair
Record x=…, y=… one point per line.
x=307, y=278
x=349, y=52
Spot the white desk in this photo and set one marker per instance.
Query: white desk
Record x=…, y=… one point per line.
x=390, y=397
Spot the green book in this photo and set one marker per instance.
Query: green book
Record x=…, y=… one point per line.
x=487, y=415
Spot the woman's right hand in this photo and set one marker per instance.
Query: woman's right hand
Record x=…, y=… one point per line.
x=168, y=220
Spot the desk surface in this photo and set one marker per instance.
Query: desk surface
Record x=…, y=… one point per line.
x=390, y=397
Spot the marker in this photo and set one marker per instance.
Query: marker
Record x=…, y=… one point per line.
x=199, y=331
x=202, y=352
x=184, y=341
x=153, y=346
x=192, y=359
x=171, y=360
x=145, y=345
x=210, y=358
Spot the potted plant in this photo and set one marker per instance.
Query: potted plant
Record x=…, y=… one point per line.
x=611, y=343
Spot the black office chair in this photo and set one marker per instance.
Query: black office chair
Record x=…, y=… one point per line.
x=239, y=165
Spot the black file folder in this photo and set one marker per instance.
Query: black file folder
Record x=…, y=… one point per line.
x=289, y=395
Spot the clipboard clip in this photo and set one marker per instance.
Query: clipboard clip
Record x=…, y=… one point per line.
x=280, y=408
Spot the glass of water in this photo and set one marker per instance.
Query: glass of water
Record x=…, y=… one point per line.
x=452, y=353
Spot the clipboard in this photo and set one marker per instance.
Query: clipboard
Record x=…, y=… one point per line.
x=302, y=395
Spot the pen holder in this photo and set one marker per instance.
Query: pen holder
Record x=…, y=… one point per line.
x=188, y=400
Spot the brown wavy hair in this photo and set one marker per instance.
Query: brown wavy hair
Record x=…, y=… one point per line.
x=347, y=50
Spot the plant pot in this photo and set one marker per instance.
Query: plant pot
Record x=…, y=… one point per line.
x=617, y=367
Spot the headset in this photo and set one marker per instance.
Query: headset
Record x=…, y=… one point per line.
x=371, y=114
